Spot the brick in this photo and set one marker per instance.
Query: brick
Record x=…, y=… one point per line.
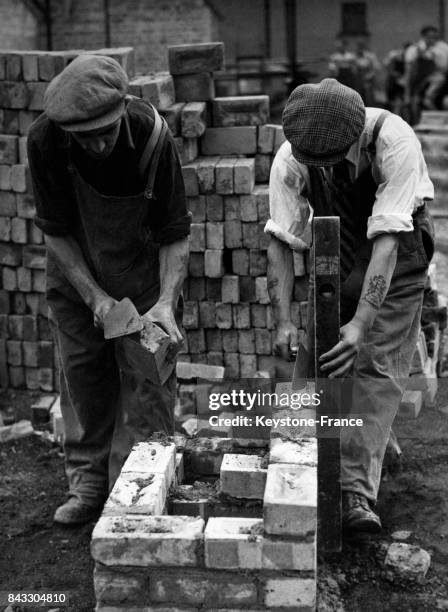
x=32, y=303
x=191, y=315
x=49, y=65
x=411, y=404
x=8, y=206
x=224, y=175
x=203, y=57
x=19, y=178
x=263, y=165
x=230, y=289
x=299, y=264
x=137, y=493
x=156, y=88
x=233, y=238
x=45, y=379
x=207, y=314
x=38, y=281
x=266, y=139
x=196, y=206
x=147, y=541
x=263, y=342
x=248, y=208
x=214, y=207
x=18, y=230
x=215, y=233
x=30, y=66
x=291, y=593
x=246, y=341
x=250, y=235
x=240, y=262
x=14, y=352
x=30, y=330
x=16, y=377
x=230, y=340
x=198, y=87
x=248, y=366
x=5, y=177
x=188, y=371
x=189, y=173
x=23, y=279
x=15, y=327
x=223, y=316
x=34, y=256
x=18, y=303
x=189, y=150
x=232, y=208
x=279, y=138
x=4, y=326
x=9, y=149
x=258, y=315
x=193, y=119
x=9, y=122
x=14, y=95
x=298, y=452
x=35, y=235
x=229, y=141
x=213, y=263
x=152, y=458
x=36, y=92
x=30, y=354
x=45, y=354
x=172, y=116
x=26, y=118
x=261, y=193
x=232, y=364
x=118, y=587
x=290, y=500
x=43, y=329
x=241, y=316
x=242, y=476
x=23, y=151
x=196, y=341
x=196, y=264
x=240, y=111
x=5, y=229
x=197, y=237
x=261, y=290
x=206, y=174
x=207, y=588
x=9, y=279
x=257, y=262
x=247, y=289
x=214, y=340
x=212, y=288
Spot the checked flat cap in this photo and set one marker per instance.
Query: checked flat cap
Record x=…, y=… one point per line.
x=322, y=121
x=88, y=94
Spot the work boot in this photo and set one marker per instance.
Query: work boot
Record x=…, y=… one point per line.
x=357, y=514
x=74, y=512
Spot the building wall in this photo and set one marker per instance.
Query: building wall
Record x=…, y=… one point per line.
x=147, y=25
x=19, y=27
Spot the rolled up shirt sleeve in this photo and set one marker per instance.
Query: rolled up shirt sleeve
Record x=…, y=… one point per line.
x=399, y=167
x=289, y=208
x=169, y=219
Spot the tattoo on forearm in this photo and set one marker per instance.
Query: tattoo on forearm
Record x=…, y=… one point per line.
x=376, y=291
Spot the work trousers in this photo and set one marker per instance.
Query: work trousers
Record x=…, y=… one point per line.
x=106, y=406
x=374, y=389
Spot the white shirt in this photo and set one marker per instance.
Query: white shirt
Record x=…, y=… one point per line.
x=398, y=169
x=437, y=52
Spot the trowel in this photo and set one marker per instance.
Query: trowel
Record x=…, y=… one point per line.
x=122, y=320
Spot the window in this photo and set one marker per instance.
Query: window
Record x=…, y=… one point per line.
x=354, y=18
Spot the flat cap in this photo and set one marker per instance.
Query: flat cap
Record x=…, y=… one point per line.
x=88, y=94
x=322, y=121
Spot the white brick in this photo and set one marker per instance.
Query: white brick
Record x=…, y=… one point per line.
x=290, y=500
x=137, y=493
x=292, y=593
x=228, y=544
x=298, y=452
x=152, y=458
x=147, y=541
x=242, y=476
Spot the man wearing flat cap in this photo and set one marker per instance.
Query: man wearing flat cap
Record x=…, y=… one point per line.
x=364, y=165
x=110, y=200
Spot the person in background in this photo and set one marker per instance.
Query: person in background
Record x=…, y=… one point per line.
x=394, y=64
x=341, y=64
x=426, y=65
x=367, y=66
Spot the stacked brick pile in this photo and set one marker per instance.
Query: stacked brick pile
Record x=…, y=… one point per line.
x=226, y=147
x=249, y=546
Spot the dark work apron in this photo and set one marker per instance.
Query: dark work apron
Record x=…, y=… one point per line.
x=115, y=239
x=361, y=195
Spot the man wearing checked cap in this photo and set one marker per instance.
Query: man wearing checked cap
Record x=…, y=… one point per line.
x=366, y=166
x=110, y=200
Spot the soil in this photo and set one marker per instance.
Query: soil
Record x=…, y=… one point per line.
x=35, y=554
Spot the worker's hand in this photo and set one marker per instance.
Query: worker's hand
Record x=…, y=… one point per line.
x=101, y=307
x=163, y=314
x=286, y=340
x=339, y=360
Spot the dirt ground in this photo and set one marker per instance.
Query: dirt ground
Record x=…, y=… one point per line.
x=35, y=554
